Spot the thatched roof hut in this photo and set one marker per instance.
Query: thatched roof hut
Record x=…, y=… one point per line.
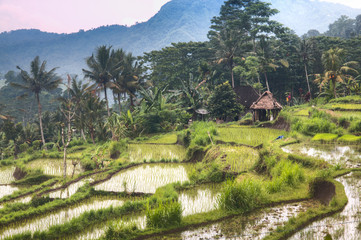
x=266, y=107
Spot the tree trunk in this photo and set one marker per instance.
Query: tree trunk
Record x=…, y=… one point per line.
x=334, y=87
x=265, y=76
x=231, y=65
x=106, y=99
x=91, y=130
x=308, y=83
x=120, y=106
x=40, y=121
x=82, y=134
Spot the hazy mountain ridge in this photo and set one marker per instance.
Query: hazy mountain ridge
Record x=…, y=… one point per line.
x=177, y=21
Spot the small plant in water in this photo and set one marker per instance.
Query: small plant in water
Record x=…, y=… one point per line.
x=164, y=215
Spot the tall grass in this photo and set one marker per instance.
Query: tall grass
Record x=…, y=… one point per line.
x=243, y=196
x=285, y=173
x=200, y=131
x=164, y=215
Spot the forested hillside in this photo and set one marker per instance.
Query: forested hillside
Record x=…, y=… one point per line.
x=177, y=21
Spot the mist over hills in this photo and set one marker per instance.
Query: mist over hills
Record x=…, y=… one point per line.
x=177, y=21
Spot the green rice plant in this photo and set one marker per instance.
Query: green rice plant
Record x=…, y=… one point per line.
x=241, y=197
x=325, y=137
x=350, y=115
x=349, y=139
x=141, y=152
x=166, y=214
x=122, y=231
x=346, y=107
x=248, y=135
x=169, y=138
x=313, y=126
x=347, y=99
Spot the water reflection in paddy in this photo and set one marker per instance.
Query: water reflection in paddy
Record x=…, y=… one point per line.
x=255, y=226
x=199, y=199
x=70, y=190
x=6, y=175
x=146, y=178
x=59, y=217
x=343, y=225
x=348, y=156
x=55, y=167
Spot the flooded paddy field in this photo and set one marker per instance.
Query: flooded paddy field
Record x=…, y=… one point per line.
x=254, y=226
x=146, y=178
x=42, y=223
x=70, y=190
x=346, y=156
x=55, y=167
x=6, y=174
x=343, y=225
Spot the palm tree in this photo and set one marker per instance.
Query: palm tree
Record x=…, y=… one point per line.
x=305, y=52
x=128, y=78
x=37, y=81
x=102, y=68
x=335, y=69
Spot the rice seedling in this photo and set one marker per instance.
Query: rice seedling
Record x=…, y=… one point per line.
x=58, y=217
x=54, y=167
x=325, y=137
x=237, y=159
x=127, y=221
x=249, y=136
x=145, y=178
x=349, y=114
x=147, y=152
x=6, y=175
x=346, y=106
x=170, y=138
x=164, y=215
x=70, y=190
x=200, y=199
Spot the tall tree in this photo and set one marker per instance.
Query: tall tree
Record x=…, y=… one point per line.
x=239, y=23
x=37, y=81
x=101, y=69
x=305, y=50
x=335, y=69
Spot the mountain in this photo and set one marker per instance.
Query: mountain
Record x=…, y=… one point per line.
x=177, y=21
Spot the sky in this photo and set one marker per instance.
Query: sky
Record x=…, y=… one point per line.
x=67, y=16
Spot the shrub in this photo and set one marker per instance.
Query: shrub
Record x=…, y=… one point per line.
x=184, y=138
x=23, y=147
x=355, y=126
x=285, y=173
x=200, y=131
x=164, y=215
x=36, y=144
x=314, y=125
x=116, y=148
x=121, y=232
x=241, y=197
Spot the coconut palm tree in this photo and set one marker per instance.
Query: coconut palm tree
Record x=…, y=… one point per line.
x=37, y=81
x=305, y=53
x=335, y=69
x=101, y=69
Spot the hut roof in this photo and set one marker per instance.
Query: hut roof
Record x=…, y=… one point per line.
x=246, y=95
x=266, y=101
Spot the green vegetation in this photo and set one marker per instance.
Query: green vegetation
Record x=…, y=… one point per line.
x=164, y=215
x=325, y=137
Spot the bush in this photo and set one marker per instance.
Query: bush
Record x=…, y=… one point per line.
x=122, y=232
x=314, y=125
x=116, y=148
x=200, y=132
x=165, y=215
x=36, y=144
x=184, y=138
x=242, y=197
x=355, y=126
x=75, y=142
x=285, y=173
x=23, y=147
